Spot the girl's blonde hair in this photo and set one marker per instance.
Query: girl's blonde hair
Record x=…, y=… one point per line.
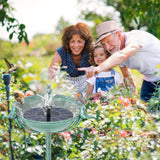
x=91, y=54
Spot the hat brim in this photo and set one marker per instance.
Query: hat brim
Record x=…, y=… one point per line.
x=105, y=35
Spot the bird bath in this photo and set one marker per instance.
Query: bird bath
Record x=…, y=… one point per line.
x=48, y=113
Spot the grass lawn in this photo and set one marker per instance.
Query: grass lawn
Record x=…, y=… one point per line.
x=138, y=78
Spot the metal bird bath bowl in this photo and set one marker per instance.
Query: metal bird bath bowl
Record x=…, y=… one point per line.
x=64, y=114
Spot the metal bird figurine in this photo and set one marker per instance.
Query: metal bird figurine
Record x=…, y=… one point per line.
x=81, y=98
x=19, y=96
x=11, y=67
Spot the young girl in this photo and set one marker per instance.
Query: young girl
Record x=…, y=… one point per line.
x=104, y=80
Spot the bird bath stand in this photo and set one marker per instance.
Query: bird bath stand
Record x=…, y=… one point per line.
x=61, y=114
x=7, y=79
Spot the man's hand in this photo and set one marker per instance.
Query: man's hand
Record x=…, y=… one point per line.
x=90, y=71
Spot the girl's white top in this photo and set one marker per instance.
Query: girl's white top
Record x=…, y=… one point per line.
x=117, y=77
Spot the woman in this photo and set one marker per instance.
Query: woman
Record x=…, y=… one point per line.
x=73, y=54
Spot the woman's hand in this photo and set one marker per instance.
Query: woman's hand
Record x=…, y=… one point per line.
x=51, y=72
x=56, y=60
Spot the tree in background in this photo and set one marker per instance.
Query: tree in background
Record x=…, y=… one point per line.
x=136, y=14
x=62, y=23
x=96, y=18
x=12, y=25
x=95, y=12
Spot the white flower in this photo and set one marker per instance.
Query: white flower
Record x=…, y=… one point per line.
x=107, y=120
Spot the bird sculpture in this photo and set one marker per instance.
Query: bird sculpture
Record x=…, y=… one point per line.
x=19, y=96
x=11, y=67
x=81, y=98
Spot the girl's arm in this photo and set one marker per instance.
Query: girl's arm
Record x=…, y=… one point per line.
x=90, y=90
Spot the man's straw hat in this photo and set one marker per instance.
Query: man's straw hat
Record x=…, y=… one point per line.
x=106, y=28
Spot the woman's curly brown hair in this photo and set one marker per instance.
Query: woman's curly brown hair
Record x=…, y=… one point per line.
x=82, y=30
x=91, y=54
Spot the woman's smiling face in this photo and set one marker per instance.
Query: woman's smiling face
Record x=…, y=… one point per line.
x=76, y=44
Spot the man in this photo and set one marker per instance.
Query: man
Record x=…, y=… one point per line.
x=135, y=50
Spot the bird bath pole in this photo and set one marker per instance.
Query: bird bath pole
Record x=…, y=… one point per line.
x=7, y=79
x=48, y=146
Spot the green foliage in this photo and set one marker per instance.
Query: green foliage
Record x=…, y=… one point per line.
x=123, y=128
x=93, y=17
x=12, y=24
x=154, y=102
x=61, y=25
x=7, y=49
x=41, y=45
x=134, y=14
x=137, y=14
x=46, y=43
